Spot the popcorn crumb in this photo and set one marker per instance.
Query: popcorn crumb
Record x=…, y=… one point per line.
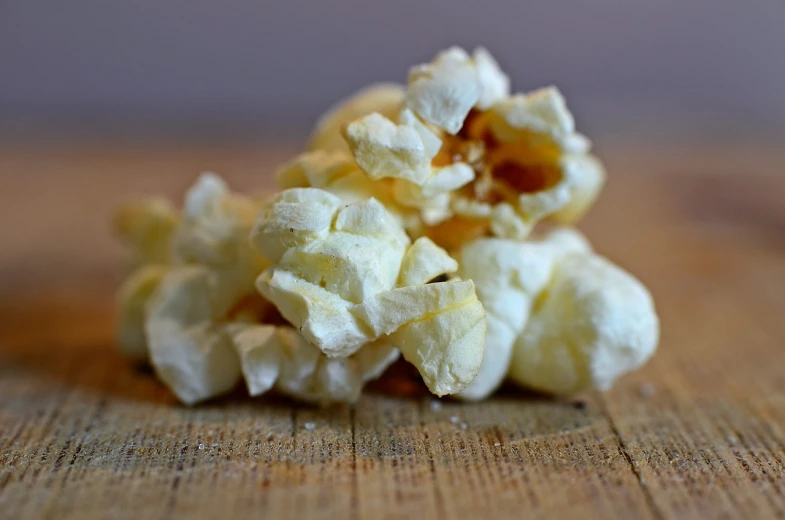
x=435, y=405
x=310, y=426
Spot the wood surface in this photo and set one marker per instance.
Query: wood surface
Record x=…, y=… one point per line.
x=698, y=433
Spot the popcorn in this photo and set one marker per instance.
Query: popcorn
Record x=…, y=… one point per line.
x=510, y=276
x=191, y=352
x=444, y=91
x=132, y=299
x=343, y=274
x=279, y=357
x=319, y=289
x=612, y=329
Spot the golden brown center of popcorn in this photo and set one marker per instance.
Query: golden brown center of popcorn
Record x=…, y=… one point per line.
x=504, y=170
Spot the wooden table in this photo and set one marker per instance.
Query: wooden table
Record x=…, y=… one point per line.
x=699, y=433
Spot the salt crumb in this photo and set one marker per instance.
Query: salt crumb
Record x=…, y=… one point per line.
x=497, y=443
x=455, y=419
x=732, y=439
x=436, y=405
x=647, y=389
x=310, y=426
x=463, y=426
x=201, y=446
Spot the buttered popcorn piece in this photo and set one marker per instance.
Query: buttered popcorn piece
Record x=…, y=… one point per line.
x=594, y=323
x=509, y=275
x=471, y=158
x=354, y=277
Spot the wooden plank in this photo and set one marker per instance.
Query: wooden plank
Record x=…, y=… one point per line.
x=699, y=433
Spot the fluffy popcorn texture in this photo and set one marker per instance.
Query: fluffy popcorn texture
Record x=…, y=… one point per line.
x=383, y=98
x=494, y=82
x=346, y=275
x=279, y=357
x=385, y=149
x=444, y=91
x=192, y=352
x=595, y=323
x=509, y=276
x=318, y=290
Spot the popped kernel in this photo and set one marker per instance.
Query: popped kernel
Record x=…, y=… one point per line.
x=509, y=276
x=341, y=275
x=595, y=323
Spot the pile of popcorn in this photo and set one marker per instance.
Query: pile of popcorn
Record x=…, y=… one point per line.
x=406, y=228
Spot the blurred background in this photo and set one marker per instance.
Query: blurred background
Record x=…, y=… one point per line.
x=239, y=68
x=103, y=100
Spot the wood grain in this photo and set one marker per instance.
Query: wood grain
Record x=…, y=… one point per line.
x=699, y=433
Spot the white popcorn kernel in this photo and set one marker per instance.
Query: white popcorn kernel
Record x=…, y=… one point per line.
x=423, y=262
x=191, y=354
x=131, y=301
x=446, y=347
x=259, y=350
x=338, y=288
x=293, y=217
x=384, y=98
x=444, y=91
x=322, y=317
x=360, y=257
x=509, y=276
x=495, y=83
x=595, y=323
x=385, y=149
x=147, y=228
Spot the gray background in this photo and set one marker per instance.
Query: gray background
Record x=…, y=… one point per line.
x=204, y=66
